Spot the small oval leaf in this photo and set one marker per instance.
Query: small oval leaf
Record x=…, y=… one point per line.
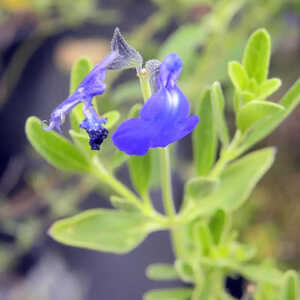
x=254, y=111
x=161, y=272
x=56, y=149
x=205, y=136
x=238, y=75
x=257, y=55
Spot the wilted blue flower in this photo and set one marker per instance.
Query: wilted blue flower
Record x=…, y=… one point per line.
x=92, y=85
x=121, y=56
x=93, y=124
x=163, y=119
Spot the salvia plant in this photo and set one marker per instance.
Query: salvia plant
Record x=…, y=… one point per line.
x=206, y=245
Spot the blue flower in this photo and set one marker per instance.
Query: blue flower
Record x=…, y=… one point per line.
x=163, y=119
x=121, y=56
x=92, y=85
x=93, y=126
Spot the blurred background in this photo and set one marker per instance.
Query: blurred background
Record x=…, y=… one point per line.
x=39, y=42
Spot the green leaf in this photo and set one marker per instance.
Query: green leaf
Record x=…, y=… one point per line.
x=161, y=272
x=119, y=158
x=269, y=87
x=265, y=126
x=290, y=286
x=122, y=204
x=184, y=270
x=169, y=294
x=205, y=136
x=203, y=238
x=103, y=230
x=57, y=150
x=218, y=112
x=252, y=86
x=200, y=187
x=79, y=70
x=262, y=273
x=238, y=75
x=134, y=111
x=257, y=55
x=240, y=178
x=217, y=225
x=112, y=118
x=254, y=111
x=184, y=41
x=247, y=96
x=140, y=172
x=237, y=181
x=81, y=140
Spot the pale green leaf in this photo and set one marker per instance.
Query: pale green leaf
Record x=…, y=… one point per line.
x=255, y=110
x=56, y=149
x=261, y=273
x=119, y=158
x=218, y=112
x=203, y=238
x=269, y=87
x=200, y=187
x=103, y=230
x=140, y=171
x=217, y=225
x=265, y=126
x=205, y=136
x=238, y=75
x=81, y=140
x=112, y=118
x=122, y=204
x=257, y=55
x=237, y=182
x=161, y=272
x=184, y=270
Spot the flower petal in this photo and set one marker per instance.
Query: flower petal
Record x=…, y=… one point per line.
x=171, y=134
x=166, y=105
x=170, y=70
x=58, y=115
x=93, y=124
x=133, y=136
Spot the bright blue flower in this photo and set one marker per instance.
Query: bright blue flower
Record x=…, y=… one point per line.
x=93, y=124
x=163, y=119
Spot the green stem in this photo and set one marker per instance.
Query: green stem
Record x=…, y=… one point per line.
x=166, y=184
x=101, y=173
x=144, y=84
x=226, y=156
